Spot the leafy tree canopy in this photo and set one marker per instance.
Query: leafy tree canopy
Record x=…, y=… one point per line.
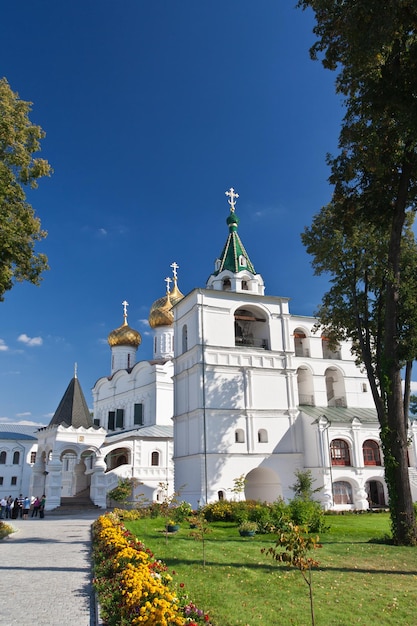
x=20, y=229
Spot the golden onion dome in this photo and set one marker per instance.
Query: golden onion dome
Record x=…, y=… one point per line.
x=175, y=294
x=124, y=336
x=160, y=313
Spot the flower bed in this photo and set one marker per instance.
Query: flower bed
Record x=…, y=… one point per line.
x=132, y=586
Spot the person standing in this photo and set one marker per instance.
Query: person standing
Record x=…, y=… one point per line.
x=9, y=507
x=20, y=501
x=26, y=507
x=36, y=505
x=42, y=507
x=3, y=505
x=15, y=509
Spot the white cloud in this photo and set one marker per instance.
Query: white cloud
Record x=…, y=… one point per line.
x=3, y=346
x=30, y=341
x=25, y=414
x=102, y=232
x=144, y=322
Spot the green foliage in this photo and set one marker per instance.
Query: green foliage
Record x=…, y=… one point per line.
x=20, y=229
x=182, y=511
x=124, y=490
x=303, y=486
x=5, y=530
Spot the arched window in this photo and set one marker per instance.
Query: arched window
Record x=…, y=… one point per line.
x=333, y=352
x=342, y=492
x=262, y=435
x=251, y=328
x=227, y=285
x=184, y=338
x=371, y=453
x=339, y=452
x=16, y=458
x=239, y=436
x=301, y=343
x=220, y=495
x=2, y=458
x=155, y=458
x=245, y=286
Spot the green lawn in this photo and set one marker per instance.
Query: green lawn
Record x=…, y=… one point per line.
x=357, y=582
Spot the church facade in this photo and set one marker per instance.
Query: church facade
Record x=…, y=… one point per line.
x=237, y=387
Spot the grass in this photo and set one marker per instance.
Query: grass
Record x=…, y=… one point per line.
x=357, y=582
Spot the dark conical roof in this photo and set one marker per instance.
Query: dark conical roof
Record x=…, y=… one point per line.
x=73, y=409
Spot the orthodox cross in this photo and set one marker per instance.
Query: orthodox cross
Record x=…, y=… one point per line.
x=232, y=195
x=174, y=270
x=125, y=305
x=168, y=280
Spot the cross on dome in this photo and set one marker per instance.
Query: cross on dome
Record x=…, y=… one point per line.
x=168, y=280
x=175, y=267
x=125, y=305
x=232, y=195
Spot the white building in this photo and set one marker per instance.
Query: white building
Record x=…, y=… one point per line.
x=237, y=386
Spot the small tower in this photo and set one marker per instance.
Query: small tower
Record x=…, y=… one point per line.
x=161, y=318
x=124, y=342
x=233, y=269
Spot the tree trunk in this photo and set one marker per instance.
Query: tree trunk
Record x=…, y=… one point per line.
x=394, y=436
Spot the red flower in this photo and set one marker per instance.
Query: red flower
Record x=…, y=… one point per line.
x=182, y=585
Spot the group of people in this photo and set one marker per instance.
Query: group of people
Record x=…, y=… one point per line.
x=19, y=508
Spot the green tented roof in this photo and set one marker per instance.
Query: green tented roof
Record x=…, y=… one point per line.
x=234, y=250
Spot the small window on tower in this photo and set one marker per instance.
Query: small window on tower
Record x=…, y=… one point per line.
x=242, y=261
x=227, y=285
x=138, y=415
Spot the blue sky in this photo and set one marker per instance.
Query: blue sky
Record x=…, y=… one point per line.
x=153, y=109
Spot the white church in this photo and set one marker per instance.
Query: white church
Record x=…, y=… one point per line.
x=238, y=386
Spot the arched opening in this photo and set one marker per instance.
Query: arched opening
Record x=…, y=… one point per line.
x=301, y=343
x=375, y=493
x=335, y=388
x=239, y=436
x=16, y=458
x=305, y=386
x=2, y=458
x=330, y=352
x=226, y=284
x=339, y=452
x=184, y=338
x=262, y=435
x=251, y=329
x=220, y=495
x=116, y=458
x=342, y=492
x=262, y=484
x=371, y=453
x=155, y=458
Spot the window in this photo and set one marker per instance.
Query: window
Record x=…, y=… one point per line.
x=342, y=492
x=245, y=286
x=120, y=418
x=111, y=420
x=227, y=285
x=128, y=360
x=14, y=480
x=262, y=436
x=242, y=261
x=339, y=452
x=239, y=436
x=220, y=495
x=1, y=480
x=364, y=388
x=16, y=458
x=155, y=458
x=2, y=458
x=96, y=422
x=184, y=338
x=33, y=457
x=138, y=414
x=371, y=453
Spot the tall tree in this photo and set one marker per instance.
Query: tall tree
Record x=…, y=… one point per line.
x=20, y=229
x=374, y=50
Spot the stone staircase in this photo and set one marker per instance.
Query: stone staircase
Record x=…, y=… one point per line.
x=80, y=503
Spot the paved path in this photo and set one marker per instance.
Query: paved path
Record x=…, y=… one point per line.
x=45, y=572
